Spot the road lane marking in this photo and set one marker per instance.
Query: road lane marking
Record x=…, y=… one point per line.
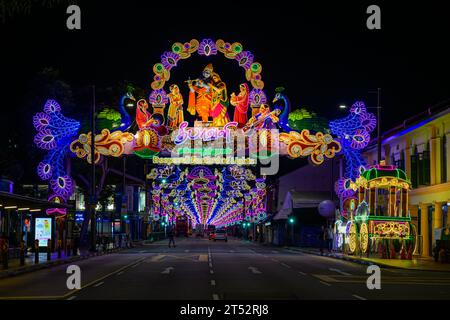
x=231, y=251
x=254, y=270
x=99, y=284
x=211, y=271
x=273, y=251
x=134, y=266
x=213, y=282
x=120, y=273
x=72, y=297
x=167, y=270
x=359, y=297
x=210, y=265
x=186, y=251
x=302, y=273
x=215, y=296
x=285, y=265
x=339, y=271
x=157, y=258
x=325, y=283
x=274, y=260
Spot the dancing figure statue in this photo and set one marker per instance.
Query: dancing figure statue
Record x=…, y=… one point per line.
x=200, y=96
x=219, y=103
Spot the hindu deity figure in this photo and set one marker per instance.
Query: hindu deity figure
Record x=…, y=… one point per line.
x=241, y=103
x=219, y=102
x=144, y=118
x=175, y=112
x=201, y=104
x=264, y=119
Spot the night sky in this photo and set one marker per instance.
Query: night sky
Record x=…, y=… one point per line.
x=323, y=55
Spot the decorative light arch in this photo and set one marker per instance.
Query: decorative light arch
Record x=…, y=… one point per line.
x=207, y=47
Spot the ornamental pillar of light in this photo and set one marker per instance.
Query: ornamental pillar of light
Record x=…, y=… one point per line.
x=424, y=229
x=404, y=202
x=435, y=157
x=392, y=201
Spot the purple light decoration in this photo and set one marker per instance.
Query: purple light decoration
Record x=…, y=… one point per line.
x=158, y=97
x=368, y=121
x=62, y=186
x=56, y=211
x=360, y=139
x=245, y=59
x=44, y=170
x=54, y=134
x=44, y=139
x=358, y=107
x=257, y=97
x=169, y=59
x=207, y=47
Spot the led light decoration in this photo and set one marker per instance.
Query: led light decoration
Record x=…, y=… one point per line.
x=55, y=132
x=207, y=47
x=354, y=133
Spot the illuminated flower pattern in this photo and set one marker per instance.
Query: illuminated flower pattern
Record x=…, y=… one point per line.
x=169, y=59
x=360, y=139
x=44, y=170
x=207, y=47
x=257, y=97
x=245, y=59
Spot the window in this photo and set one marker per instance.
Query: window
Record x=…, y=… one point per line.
x=400, y=163
x=420, y=168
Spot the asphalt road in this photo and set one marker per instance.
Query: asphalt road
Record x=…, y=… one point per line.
x=207, y=270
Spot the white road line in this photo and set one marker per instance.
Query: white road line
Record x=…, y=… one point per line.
x=210, y=265
x=186, y=251
x=273, y=251
x=134, y=266
x=285, y=265
x=121, y=272
x=71, y=298
x=339, y=271
x=359, y=297
x=325, y=283
x=302, y=273
x=99, y=284
x=215, y=296
x=211, y=271
x=231, y=251
x=213, y=282
x=274, y=260
x=254, y=270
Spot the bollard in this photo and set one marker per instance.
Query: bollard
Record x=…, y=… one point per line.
x=5, y=254
x=49, y=250
x=36, y=251
x=59, y=249
x=22, y=252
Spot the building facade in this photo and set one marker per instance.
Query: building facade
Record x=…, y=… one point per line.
x=421, y=147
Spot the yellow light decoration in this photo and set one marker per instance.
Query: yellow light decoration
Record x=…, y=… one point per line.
x=304, y=144
x=352, y=237
x=383, y=182
x=106, y=143
x=364, y=237
x=390, y=229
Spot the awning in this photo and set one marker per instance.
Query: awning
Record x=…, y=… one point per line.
x=300, y=199
x=14, y=200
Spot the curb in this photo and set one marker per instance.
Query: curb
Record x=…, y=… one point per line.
x=50, y=264
x=363, y=262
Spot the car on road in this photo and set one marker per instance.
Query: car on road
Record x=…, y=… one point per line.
x=211, y=235
x=220, y=235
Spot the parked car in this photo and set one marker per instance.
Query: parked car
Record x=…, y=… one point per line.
x=211, y=235
x=220, y=235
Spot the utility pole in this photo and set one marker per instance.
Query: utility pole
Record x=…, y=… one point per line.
x=379, y=125
x=93, y=189
x=378, y=107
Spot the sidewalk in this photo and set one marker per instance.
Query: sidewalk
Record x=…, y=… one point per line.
x=14, y=267
x=414, y=264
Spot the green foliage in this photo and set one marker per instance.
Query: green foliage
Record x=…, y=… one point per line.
x=303, y=119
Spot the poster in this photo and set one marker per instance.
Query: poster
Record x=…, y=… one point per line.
x=43, y=231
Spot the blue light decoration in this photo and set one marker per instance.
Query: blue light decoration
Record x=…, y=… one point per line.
x=282, y=103
x=354, y=134
x=55, y=133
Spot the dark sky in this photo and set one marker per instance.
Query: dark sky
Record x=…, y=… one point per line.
x=323, y=54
